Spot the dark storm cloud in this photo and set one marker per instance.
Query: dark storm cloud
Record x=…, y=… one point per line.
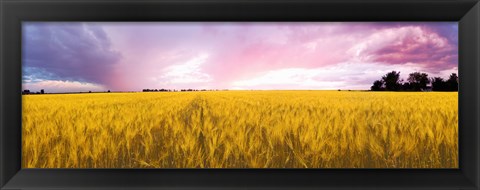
x=67, y=51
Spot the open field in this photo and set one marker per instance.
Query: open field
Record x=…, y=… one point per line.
x=241, y=129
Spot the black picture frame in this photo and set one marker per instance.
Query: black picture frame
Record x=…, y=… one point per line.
x=13, y=12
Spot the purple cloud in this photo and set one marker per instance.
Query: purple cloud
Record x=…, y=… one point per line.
x=132, y=56
x=67, y=52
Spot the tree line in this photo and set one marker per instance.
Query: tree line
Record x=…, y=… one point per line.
x=26, y=91
x=416, y=81
x=31, y=92
x=182, y=90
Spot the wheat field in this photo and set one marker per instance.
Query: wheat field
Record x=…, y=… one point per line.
x=241, y=129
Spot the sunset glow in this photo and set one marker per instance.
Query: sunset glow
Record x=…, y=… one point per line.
x=74, y=56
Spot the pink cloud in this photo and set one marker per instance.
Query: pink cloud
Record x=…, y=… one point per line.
x=252, y=55
x=410, y=44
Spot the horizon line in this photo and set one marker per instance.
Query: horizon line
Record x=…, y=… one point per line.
x=196, y=90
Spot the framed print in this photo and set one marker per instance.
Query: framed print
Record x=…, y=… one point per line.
x=240, y=94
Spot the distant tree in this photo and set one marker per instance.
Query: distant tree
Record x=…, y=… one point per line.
x=418, y=81
x=406, y=86
x=89, y=91
x=42, y=91
x=378, y=85
x=452, y=82
x=108, y=91
x=438, y=84
x=26, y=92
x=392, y=81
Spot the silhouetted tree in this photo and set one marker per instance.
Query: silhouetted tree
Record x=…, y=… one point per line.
x=42, y=91
x=392, y=81
x=89, y=91
x=452, y=82
x=438, y=84
x=108, y=91
x=378, y=85
x=406, y=86
x=418, y=81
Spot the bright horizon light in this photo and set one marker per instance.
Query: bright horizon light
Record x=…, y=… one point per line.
x=101, y=56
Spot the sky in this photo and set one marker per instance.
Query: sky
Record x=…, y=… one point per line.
x=131, y=56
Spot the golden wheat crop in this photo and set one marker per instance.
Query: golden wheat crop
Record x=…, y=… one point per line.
x=241, y=129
